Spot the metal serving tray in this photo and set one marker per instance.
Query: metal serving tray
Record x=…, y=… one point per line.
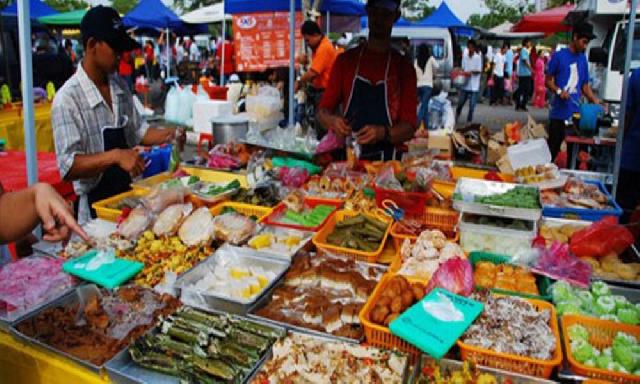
x=514, y=378
x=305, y=236
x=225, y=255
x=468, y=188
x=266, y=299
x=7, y=321
x=68, y=300
x=407, y=376
x=123, y=370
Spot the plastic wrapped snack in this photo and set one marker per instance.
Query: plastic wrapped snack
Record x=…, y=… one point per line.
x=164, y=195
x=137, y=222
x=169, y=220
x=197, y=228
x=233, y=228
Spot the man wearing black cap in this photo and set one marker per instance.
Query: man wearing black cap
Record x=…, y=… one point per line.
x=568, y=79
x=94, y=120
x=376, y=87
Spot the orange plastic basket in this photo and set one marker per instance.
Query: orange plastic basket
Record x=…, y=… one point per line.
x=241, y=208
x=379, y=335
x=320, y=238
x=601, y=335
x=442, y=219
x=515, y=363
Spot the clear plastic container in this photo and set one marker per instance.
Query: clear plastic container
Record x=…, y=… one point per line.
x=489, y=238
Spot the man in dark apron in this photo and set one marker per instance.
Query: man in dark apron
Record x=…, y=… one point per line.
x=96, y=125
x=377, y=89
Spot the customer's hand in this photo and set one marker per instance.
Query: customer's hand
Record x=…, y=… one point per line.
x=56, y=214
x=130, y=161
x=565, y=95
x=371, y=134
x=340, y=126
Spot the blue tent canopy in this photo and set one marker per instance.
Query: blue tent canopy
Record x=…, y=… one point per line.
x=339, y=7
x=152, y=14
x=37, y=8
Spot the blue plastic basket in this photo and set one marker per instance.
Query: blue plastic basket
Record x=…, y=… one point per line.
x=584, y=213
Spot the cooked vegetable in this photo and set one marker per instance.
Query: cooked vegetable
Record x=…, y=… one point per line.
x=360, y=232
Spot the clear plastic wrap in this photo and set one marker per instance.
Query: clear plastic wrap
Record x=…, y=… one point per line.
x=197, y=228
x=169, y=220
x=164, y=195
x=138, y=221
x=233, y=228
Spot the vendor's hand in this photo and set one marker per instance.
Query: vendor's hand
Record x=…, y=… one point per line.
x=130, y=161
x=565, y=95
x=56, y=215
x=340, y=126
x=371, y=134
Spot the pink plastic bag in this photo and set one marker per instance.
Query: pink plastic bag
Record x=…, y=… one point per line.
x=293, y=177
x=558, y=263
x=455, y=275
x=329, y=143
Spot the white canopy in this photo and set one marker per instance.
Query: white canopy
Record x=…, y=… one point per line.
x=502, y=28
x=210, y=14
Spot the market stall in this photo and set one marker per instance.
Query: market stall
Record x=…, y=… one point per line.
x=383, y=270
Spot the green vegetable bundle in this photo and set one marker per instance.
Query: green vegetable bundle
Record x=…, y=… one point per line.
x=362, y=233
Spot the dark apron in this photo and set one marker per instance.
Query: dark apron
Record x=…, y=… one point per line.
x=114, y=180
x=368, y=105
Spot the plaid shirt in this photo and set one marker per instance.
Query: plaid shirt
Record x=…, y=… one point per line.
x=79, y=113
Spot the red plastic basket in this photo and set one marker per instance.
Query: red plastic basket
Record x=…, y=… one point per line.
x=413, y=203
x=281, y=208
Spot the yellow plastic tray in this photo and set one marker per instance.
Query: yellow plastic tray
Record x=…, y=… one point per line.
x=208, y=175
x=243, y=209
x=111, y=214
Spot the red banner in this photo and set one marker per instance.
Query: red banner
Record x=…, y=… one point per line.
x=262, y=40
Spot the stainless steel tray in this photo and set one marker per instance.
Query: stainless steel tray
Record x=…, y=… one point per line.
x=468, y=188
x=6, y=322
x=224, y=255
x=555, y=222
x=288, y=255
x=67, y=300
x=515, y=378
x=605, y=178
x=407, y=376
x=123, y=370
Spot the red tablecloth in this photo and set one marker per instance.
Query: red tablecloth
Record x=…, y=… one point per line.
x=13, y=174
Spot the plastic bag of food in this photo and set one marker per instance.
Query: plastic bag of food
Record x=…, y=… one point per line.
x=386, y=179
x=455, y=275
x=601, y=238
x=170, y=219
x=233, y=228
x=219, y=158
x=329, y=142
x=293, y=177
x=558, y=263
x=164, y=195
x=138, y=221
x=197, y=228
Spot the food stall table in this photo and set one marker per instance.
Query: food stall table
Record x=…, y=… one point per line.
x=577, y=141
x=22, y=363
x=14, y=172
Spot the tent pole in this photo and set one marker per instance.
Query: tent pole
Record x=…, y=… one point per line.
x=224, y=40
x=26, y=73
x=292, y=57
x=168, y=53
x=625, y=93
x=328, y=22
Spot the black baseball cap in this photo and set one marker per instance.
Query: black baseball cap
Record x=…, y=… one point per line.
x=392, y=5
x=584, y=30
x=105, y=24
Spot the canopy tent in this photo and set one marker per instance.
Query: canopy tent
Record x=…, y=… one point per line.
x=72, y=18
x=251, y=6
x=442, y=17
x=152, y=14
x=210, y=14
x=343, y=7
x=548, y=21
x=502, y=28
x=38, y=9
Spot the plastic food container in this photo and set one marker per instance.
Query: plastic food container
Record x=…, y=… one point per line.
x=441, y=219
x=515, y=363
x=205, y=174
x=601, y=335
x=320, y=239
x=542, y=282
x=279, y=211
x=585, y=213
x=379, y=335
x=104, y=208
x=487, y=238
x=413, y=203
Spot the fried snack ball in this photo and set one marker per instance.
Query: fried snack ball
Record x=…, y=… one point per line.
x=595, y=264
x=379, y=314
x=418, y=291
x=390, y=318
x=407, y=298
x=384, y=301
x=396, y=305
x=624, y=271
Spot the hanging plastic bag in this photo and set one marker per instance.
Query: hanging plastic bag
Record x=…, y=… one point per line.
x=558, y=263
x=601, y=238
x=455, y=275
x=386, y=179
x=171, y=104
x=329, y=143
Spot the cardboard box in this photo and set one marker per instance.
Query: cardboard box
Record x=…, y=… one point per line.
x=495, y=151
x=442, y=143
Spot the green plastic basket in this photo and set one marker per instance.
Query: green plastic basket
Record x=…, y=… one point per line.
x=542, y=282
